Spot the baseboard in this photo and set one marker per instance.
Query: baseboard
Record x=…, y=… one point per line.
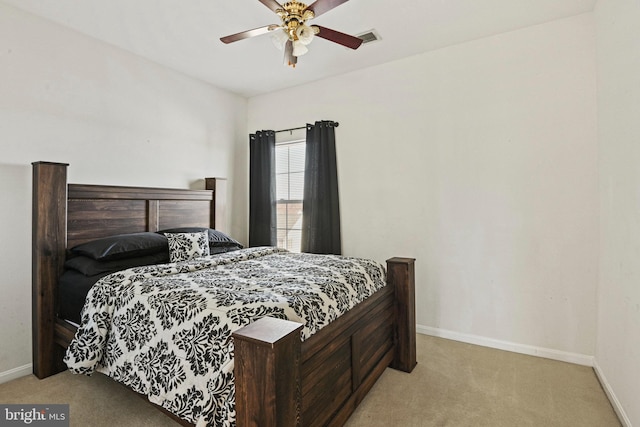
x=563, y=356
x=617, y=407
x=15, y=373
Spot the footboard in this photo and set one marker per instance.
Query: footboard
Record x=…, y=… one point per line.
x=336, y=367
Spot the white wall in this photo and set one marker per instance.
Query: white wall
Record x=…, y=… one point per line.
x=618, y=67
x=117, y=119
x=479, y=160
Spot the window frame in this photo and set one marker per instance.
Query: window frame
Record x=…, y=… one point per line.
x=288, y=139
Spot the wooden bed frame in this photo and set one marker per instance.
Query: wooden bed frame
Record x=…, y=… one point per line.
x=280, y=381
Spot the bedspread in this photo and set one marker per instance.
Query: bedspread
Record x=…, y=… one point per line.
x=165, y=330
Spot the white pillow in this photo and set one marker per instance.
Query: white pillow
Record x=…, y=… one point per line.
x=186, y=246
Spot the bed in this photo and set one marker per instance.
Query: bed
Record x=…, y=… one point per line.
x=280, y=380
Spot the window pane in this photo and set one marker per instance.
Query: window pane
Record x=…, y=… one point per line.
x=282, y=160
x=282, y=187
x=294, y=216
x=294, y=240
x=282, y=239
x=282, y=215
x=289, y=193
x=296, y=158
x=296, y=186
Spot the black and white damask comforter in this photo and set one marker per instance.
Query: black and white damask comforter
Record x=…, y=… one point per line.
x=165, y=330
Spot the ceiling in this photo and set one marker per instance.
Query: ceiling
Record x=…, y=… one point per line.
x=184, y=34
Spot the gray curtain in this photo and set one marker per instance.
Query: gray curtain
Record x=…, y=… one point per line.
x=262, y=189
x=321, y=208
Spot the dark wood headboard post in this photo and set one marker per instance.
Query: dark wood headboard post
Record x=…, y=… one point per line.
x=48, y=249
x=219, y=212
x=401, y=275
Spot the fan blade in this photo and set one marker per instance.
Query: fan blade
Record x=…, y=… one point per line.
x=289, y=59
x=249, y=33
x=321, y=6
x=338, y=37
x=272, y=4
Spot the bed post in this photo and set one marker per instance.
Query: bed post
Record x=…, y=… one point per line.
x=219, y=211
x=267, y=373
x=401, y=275
x=49, y=218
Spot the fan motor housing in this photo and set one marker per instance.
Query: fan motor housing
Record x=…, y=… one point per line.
x=293, y=15
x=295, y=12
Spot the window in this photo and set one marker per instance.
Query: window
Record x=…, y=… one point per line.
x=289, y=192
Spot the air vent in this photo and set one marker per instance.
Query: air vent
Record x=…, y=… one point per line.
x=369, y=36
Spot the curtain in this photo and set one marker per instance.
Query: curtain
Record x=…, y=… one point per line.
x=262, y=189
x=321, y=208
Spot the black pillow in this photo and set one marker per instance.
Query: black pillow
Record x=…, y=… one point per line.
x=91, y=267
x=216, y=238
x=123, y=246
x=223, y=249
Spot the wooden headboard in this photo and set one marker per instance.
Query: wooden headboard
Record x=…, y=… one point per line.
x=65, y=215
x=95, y=211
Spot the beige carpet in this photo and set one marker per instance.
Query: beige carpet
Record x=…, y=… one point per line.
x=454, y=384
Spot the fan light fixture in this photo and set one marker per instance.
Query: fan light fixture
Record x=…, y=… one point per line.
x=305, y=34
x=299, y=48
x=292, y=35
x=294, y=15
x=279, y=38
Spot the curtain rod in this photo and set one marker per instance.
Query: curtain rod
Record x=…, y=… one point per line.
x=290, y=130
x=301, y=127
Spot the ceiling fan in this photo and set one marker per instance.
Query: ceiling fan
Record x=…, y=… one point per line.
x=293, y=34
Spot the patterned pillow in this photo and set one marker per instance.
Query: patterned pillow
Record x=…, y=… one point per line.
x=185, y=246
x=216, y=238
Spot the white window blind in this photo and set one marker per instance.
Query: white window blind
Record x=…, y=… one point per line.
x=290, y=156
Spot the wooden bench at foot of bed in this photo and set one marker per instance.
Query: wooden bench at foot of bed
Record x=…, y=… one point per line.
x=280, y=381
